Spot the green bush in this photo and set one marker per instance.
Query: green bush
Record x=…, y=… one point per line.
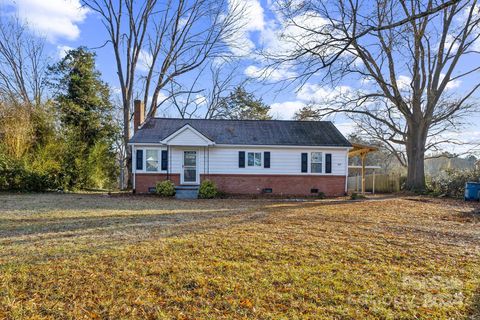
x=451, y=182
x=356, y=196
x=165, y=188
x=321, y=195
x=15, y=177
x=207, y=190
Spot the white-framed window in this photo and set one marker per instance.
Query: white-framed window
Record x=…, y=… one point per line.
x=254, y=159
x=316, y=162
x=152, y=160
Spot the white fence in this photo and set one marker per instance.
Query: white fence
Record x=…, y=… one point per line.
x=381, y=183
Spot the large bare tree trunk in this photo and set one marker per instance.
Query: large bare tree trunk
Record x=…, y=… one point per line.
x=126, y=138
x=172, y=37
x=415, y=149
x=409, y=51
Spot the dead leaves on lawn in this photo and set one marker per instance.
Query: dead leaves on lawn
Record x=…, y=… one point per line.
x=397, y=258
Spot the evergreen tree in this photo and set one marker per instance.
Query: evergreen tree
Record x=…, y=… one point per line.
x=85, y=112
x=242, y=105
x=307, y=113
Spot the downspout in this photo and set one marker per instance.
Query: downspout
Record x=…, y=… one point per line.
x=168, y=162
x=134, y=168
x=346, y=173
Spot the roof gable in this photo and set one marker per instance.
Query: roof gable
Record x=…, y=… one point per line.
x=244, y=132
x=187, y=136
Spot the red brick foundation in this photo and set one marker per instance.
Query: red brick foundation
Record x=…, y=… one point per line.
x=299, y=185
x=143, y=181
x=280, y=184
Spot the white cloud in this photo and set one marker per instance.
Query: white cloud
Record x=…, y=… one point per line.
x=162, y=98
x=200, y=99
x=269, y=74
x=451, y=44
x=316, y=93
x=403, y=82
x=116, y=90
x=286, y=109
x=346, y=128
x=53, y=19
x=452, y=84
x=62, y=51
x=145, y=60
x=465, y=140
x=182, y=22
x=251, y=20
x=476, y=45
x=367, y=81
x=252, y=14
x=286, y=36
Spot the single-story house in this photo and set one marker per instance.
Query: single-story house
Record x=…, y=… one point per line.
x=240, y=156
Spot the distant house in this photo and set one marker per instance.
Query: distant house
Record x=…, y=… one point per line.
x=240, y=156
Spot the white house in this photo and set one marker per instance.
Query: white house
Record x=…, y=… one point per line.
x=240, y=156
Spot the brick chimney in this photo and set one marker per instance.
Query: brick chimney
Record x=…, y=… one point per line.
x=138, y=114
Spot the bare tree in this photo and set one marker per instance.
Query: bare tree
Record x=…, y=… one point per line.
x=409, y=55
x=186, y=37
x=23, y=65
x=224, y=81
x=168, y=38
x=16, y=129
x=204, y=95
x=126, y=22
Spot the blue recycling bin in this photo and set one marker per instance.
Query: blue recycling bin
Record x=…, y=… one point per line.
x=472, y=191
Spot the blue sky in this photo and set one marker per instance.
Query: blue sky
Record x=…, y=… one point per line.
x=66, y=25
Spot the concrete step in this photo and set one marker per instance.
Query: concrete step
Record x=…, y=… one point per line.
x=186, y=192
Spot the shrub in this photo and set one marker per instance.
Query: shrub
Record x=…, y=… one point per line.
x=165, y=188
x=356, y=196
x=15, y=177
x=207, y=190
x=451, y=182
x=35, y=181
x=321, y=195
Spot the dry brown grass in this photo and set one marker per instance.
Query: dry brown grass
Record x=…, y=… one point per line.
x=91, y=256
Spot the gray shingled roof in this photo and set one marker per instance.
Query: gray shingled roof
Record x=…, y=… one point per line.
x=247, y=132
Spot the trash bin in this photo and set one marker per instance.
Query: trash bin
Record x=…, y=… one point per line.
x=472, y=191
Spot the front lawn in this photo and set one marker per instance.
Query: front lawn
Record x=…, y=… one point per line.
x=92, y=256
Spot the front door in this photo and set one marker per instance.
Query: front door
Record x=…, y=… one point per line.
x=189, y=175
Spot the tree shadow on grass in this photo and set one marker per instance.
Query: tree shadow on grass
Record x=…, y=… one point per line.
x=91, y=234
x=11, y=228
x=474, y=310
x=47, y=202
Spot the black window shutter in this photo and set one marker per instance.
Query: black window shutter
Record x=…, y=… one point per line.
x=139, y=160
x=328, y=163
x=266, y=159
x=304, y=162
x=164, y=160
x=241, y=159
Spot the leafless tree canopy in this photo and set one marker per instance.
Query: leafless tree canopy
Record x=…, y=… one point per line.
x=22, y=63
x=155, y=43
x=407, y=54
x=201, y=99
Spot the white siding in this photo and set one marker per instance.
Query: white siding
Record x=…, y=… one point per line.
x=224, y=160
x=282, y=160
x=187, y=137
